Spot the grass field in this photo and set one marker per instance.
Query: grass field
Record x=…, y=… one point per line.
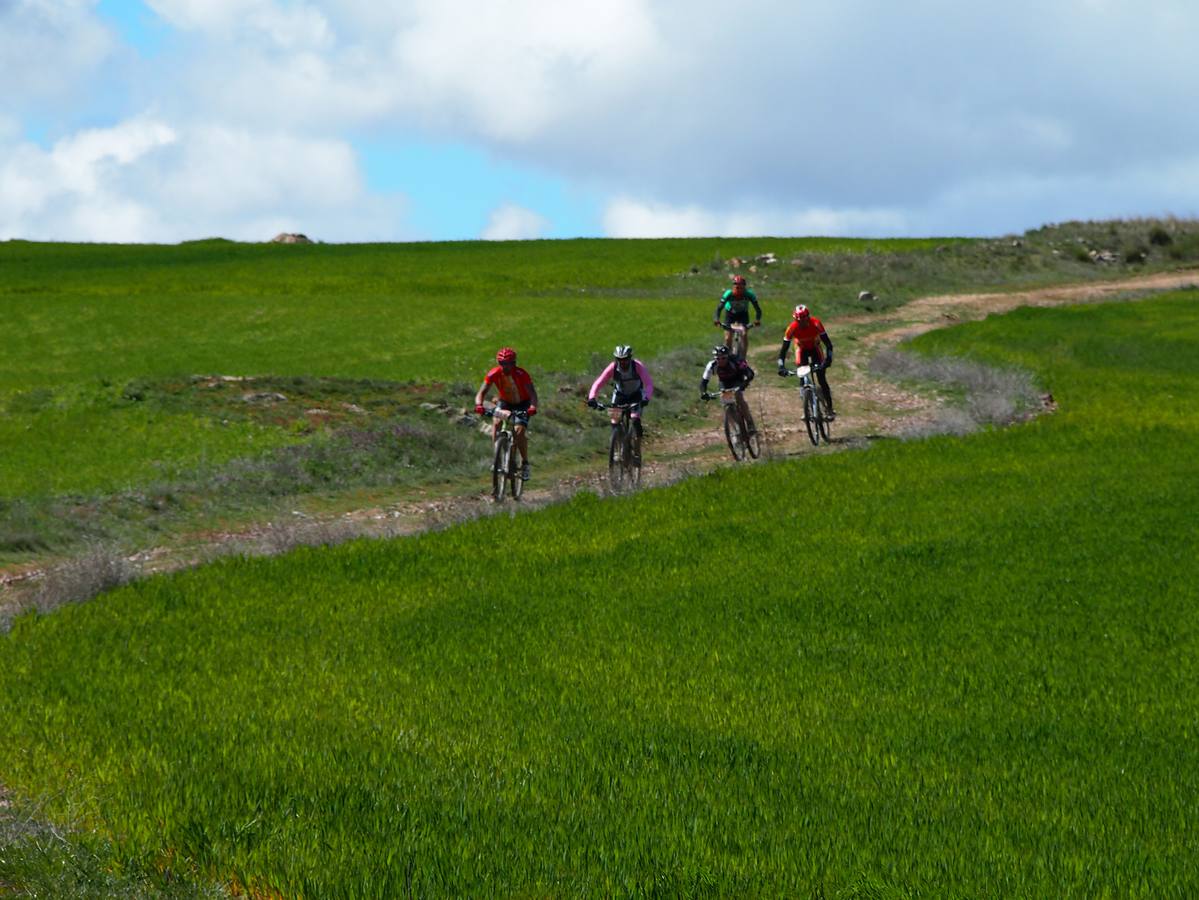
x=113, y=428
x=953, y=667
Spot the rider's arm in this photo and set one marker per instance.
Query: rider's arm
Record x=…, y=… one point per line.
x=753, y=298
x=532, y=394
x=703, y=382
x=828, y=345
x=719, y=307
x=646, y=382
x=604, y=377
x=783, y=352
x=482, y=392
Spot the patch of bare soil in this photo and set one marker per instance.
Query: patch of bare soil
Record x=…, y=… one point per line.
x=868, y=407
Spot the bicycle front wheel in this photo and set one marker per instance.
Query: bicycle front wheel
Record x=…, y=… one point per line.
x=499, y=465
x=732, y=433
x=516, y=484
x=809, y=416
x=753, y=443
x=633, y=459
x=822, y=422
x=616, y=460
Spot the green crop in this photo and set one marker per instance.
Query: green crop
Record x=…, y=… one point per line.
x=952, y=667
x=88, y=327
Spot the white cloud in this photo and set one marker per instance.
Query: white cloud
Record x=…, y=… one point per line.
x=827, y=116
x=628, y=218
x=296, y=25
x=514, y=223
x=80, y=161
x=145, y=180
x=514, y=69
x=49, y=49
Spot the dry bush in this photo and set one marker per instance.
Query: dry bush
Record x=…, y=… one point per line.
x=993, y=396
x=98, y=570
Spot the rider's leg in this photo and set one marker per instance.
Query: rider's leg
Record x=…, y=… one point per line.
x=824, y=388
x=522, y=442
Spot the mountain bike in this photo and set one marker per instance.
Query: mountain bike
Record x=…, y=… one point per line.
x=624, y=448
x=505, y=464
x=739, y=428
x=738, y=331
x=815, y=418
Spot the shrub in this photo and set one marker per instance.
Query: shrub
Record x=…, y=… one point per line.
x=1159, y=237
x=1136, y=254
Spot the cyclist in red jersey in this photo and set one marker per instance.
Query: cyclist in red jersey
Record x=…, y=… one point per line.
x=516, y=393
x=808, y=333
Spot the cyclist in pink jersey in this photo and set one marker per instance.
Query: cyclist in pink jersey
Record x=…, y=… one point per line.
x=630, y=384
x=516, y=393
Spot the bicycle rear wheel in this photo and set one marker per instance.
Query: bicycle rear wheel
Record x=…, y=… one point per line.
x=809, y=416
x=499, y=465
x=616, y=462
x=732, y=432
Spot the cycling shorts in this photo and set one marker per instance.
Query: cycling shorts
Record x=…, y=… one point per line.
x=736, y=318
x=520, y=411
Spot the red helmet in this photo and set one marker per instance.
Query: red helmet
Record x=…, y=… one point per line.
x=738, y=281
x=801, y=312
x=506, y=355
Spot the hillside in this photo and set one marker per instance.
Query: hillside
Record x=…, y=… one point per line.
x=158, y=400
x=930, y=668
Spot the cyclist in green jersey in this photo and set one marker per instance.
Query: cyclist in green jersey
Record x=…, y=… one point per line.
x=734, y=304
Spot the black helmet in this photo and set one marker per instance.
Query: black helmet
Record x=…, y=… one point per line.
x=623, y=351
x=720, y=350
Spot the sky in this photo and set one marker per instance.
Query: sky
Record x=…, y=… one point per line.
x=366, y=120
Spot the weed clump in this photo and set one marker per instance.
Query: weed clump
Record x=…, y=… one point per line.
x=78, y=580
x=991, y=396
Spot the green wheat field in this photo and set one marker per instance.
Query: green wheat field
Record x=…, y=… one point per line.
x=958, y=666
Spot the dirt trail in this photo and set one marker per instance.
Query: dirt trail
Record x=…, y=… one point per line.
x=867, y=406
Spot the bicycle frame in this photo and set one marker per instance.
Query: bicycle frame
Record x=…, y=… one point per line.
x=624, y=450
x=505, y=466
x=738, y=431
x=737, y=335
x=815, y=420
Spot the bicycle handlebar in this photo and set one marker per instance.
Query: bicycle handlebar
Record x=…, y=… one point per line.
x=601, y=405
x=791, y=373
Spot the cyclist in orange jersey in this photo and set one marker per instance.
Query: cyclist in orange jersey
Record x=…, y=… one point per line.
x=516, y=393
x=808, y=333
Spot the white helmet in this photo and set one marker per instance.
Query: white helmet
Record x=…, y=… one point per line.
x=623, y=351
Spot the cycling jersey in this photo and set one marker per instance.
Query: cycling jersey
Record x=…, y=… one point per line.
x=513, y=387
x=738, y=307
x=732, y=372
x=629, y=382
x=807, y=335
